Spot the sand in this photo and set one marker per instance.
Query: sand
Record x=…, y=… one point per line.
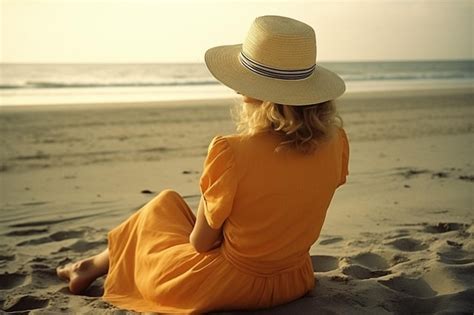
x=397, y=239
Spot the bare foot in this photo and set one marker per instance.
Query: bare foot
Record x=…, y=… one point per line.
x=79, y=274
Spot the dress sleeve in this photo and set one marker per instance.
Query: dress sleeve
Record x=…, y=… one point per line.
x=345, y=157
x=218, y=182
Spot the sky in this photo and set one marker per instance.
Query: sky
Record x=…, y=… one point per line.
x=142, y=31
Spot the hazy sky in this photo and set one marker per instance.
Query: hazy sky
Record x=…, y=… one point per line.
x=181, y=31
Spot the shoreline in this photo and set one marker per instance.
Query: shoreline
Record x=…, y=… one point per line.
x=227, y=101
x=117, y=105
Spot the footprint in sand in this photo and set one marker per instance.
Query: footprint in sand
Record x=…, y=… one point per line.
x=410, y=172
x=43, y=276
x=55, y=237
x=331, y=240
x=408, y=244
x=5, y=258
x=398, y=259
x=82, y=246
x=27, y=232
x=459, y=261
x=454, y=255
x=360, y=272
x=414, y=287
x=25, y=303
x=444, y=227
x=51, y=222
x=397, y=234
x=322, y=263
x=36, y=203
x=11, y=280
x=469, y=178
x=366, y=266
x=371, y=260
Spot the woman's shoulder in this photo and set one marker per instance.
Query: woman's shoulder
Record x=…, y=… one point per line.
x=225, y=145
x=223, y=141
x=240, y=145
x=243, y=141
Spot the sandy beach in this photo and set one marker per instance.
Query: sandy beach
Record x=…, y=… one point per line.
x=397, y=238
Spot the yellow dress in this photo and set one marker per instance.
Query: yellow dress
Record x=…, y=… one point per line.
x=272, y=206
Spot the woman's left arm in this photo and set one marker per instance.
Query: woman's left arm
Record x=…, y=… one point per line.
x=203, y=237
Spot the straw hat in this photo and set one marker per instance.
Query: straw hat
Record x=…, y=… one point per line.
x=277, y=63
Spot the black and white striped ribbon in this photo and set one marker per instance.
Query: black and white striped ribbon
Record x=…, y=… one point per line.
x=273, y=72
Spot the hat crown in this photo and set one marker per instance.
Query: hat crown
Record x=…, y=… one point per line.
x=280, y=42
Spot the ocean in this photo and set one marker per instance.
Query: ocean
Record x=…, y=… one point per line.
x=37, y=84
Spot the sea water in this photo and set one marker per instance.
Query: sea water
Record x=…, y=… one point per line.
x=36, y=84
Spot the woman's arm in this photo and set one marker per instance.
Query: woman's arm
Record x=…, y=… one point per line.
x=203, y=237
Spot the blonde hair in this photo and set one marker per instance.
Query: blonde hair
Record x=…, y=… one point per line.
x=302, y=127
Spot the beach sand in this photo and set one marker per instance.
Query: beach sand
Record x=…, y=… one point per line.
x=397, y=238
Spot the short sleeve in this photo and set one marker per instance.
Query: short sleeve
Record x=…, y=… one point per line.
x=218, y=182
x=345, y=157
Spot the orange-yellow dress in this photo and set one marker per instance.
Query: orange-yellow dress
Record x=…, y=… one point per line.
x=272, y=206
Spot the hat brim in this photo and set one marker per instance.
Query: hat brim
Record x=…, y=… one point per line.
x=224, y=64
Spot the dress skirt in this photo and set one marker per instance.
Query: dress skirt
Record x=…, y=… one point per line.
x=153, y=267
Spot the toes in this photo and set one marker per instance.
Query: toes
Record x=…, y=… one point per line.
x=63, y=272
x=59, y=272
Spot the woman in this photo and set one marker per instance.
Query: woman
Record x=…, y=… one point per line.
x=265, y=191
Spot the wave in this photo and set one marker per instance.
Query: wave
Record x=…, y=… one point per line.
x=59, y=85
x=408, y=76
x=374, y=76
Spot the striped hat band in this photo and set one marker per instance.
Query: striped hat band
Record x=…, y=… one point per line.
x=275, y=73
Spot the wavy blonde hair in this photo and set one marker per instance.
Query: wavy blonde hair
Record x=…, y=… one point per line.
x=302, y=127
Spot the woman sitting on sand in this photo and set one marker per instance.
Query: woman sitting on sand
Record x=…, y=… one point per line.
x=265, y=191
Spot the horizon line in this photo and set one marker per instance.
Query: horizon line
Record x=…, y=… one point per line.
x=194, y=62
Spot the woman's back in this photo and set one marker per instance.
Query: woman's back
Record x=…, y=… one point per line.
x=276, y=211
